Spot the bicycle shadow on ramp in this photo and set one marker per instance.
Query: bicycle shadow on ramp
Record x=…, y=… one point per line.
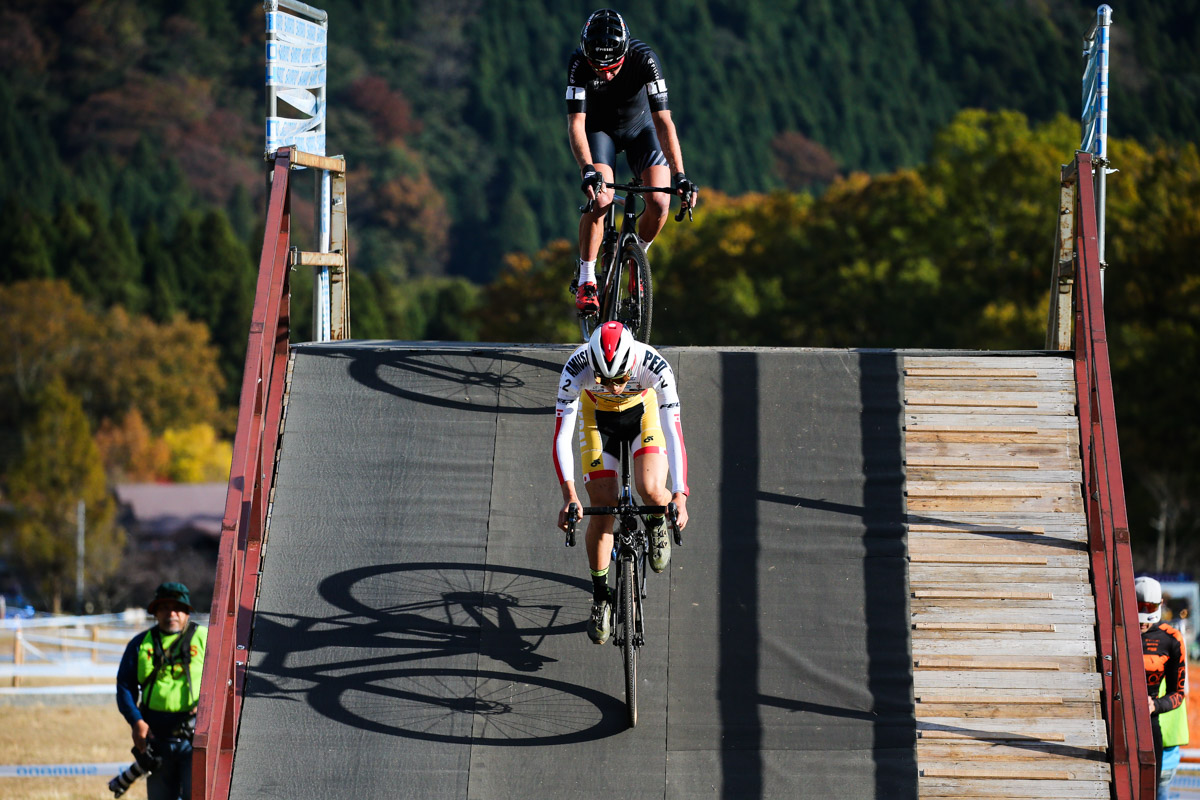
x=399, y=654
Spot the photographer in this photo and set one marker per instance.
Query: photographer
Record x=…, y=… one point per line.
x=158, y=688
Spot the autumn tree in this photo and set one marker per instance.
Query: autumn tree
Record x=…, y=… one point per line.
x=59, y=466
x=802, y=163
x=130, y=452
x=167, y=372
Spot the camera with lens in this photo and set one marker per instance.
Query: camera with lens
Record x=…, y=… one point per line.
x=145, y=762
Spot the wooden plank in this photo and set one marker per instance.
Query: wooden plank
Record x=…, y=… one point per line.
x=311, y=259
x=1028, y=627
x=1056, y=519
x=994, y=736
x=1062, y=633
x=958, y=541
x=1079, y=591
x=970, y=372
x=922, y=548
x=1066, y=438
x=951, y=789
x=991, y=699
x=982, y=489
x=975, y=680
x=978, y=594
x=1069, y=545
x=1043, y=364
x=930, y=751
x=967, y=558
x=997, y=503
x=1072, y=613
x=1077, y=729
x=303, y=159
x=936, y=662
x=969, y=713
x=936, y=426
x=1071, y=610
x=967, y=527
x=1070, y=479
x=988, y=400
x=1028, y=645
x=929, y=419
x=968, y=463
x=967, y=383
x=1041, y=452
x=941, y=573
x=978, y=773
x=966, y=488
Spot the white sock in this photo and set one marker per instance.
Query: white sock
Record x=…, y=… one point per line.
x=645, y=245
x=587, y=271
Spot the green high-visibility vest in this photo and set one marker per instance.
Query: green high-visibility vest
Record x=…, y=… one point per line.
x=176, y=686
x=1173, y=723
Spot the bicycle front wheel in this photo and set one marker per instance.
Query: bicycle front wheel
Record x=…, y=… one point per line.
x=629, y=614
x=634, y=308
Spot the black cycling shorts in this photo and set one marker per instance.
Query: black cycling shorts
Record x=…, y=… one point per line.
x=642, y=150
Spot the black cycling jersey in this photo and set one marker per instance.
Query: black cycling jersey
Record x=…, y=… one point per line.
x=620, y=107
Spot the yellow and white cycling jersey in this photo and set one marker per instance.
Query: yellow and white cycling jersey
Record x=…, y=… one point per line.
x=604, y=419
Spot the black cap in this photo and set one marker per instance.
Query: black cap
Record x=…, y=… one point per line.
x=171, y=590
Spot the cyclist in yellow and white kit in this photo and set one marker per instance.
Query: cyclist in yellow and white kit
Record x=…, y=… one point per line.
x=615, y=389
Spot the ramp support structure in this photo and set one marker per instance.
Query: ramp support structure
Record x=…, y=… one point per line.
x=1077, y=275
x=246, y=505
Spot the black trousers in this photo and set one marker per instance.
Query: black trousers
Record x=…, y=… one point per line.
x=1158, y=750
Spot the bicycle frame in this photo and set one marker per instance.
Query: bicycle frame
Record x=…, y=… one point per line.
x=630, y=555
x=613, y=245
x=624, y=260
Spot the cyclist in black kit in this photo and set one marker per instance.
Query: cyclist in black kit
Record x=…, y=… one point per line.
x=617, y=101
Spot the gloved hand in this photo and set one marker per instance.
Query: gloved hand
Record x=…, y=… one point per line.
x=683, y=187
x=593, y=180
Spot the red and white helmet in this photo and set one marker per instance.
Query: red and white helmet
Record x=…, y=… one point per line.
x=610, y=351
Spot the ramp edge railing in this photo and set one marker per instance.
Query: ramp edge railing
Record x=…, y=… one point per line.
x=244, y=522
x=1131, y=748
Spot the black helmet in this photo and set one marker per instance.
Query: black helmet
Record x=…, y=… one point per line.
x=604, y=38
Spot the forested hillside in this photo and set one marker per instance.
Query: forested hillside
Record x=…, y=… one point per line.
x=453, y=118
x=874, y=174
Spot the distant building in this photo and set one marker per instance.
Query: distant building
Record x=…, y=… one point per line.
x=172, y=516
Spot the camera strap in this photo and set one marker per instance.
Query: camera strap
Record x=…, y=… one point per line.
x=180, y=653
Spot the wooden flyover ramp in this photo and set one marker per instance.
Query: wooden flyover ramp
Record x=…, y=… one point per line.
x=1006, y=681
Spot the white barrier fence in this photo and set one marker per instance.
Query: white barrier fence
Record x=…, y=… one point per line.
x=68, y=648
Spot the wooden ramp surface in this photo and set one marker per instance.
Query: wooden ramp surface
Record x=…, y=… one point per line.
x=1004, y=642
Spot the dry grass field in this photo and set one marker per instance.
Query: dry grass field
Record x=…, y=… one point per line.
x=63, y=735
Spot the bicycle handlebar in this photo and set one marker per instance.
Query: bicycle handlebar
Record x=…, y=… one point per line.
x=685, y=205
x=574, y=515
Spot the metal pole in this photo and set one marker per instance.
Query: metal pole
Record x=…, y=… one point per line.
x=322, y=323
x=81, y=518
x=1103, y=21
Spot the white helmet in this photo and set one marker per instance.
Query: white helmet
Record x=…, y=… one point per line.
x=610, y=352
x=1149, y=599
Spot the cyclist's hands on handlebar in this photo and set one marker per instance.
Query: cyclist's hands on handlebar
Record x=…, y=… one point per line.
x=686, y=190
x=680, y=501
x=591, y=182
x=562, y=513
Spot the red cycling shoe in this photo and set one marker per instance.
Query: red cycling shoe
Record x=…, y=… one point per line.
x=586, y=299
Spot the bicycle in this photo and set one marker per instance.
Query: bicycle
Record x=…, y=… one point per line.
x=630, y=553
x=629, y=304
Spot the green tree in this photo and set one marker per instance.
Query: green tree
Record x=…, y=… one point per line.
x=59, y=466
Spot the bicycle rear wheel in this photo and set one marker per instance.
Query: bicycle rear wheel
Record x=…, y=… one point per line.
x=629, y=614
x=634, y=307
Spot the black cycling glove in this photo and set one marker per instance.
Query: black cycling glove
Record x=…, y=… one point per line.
x=682, y=185
x=591, y=178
